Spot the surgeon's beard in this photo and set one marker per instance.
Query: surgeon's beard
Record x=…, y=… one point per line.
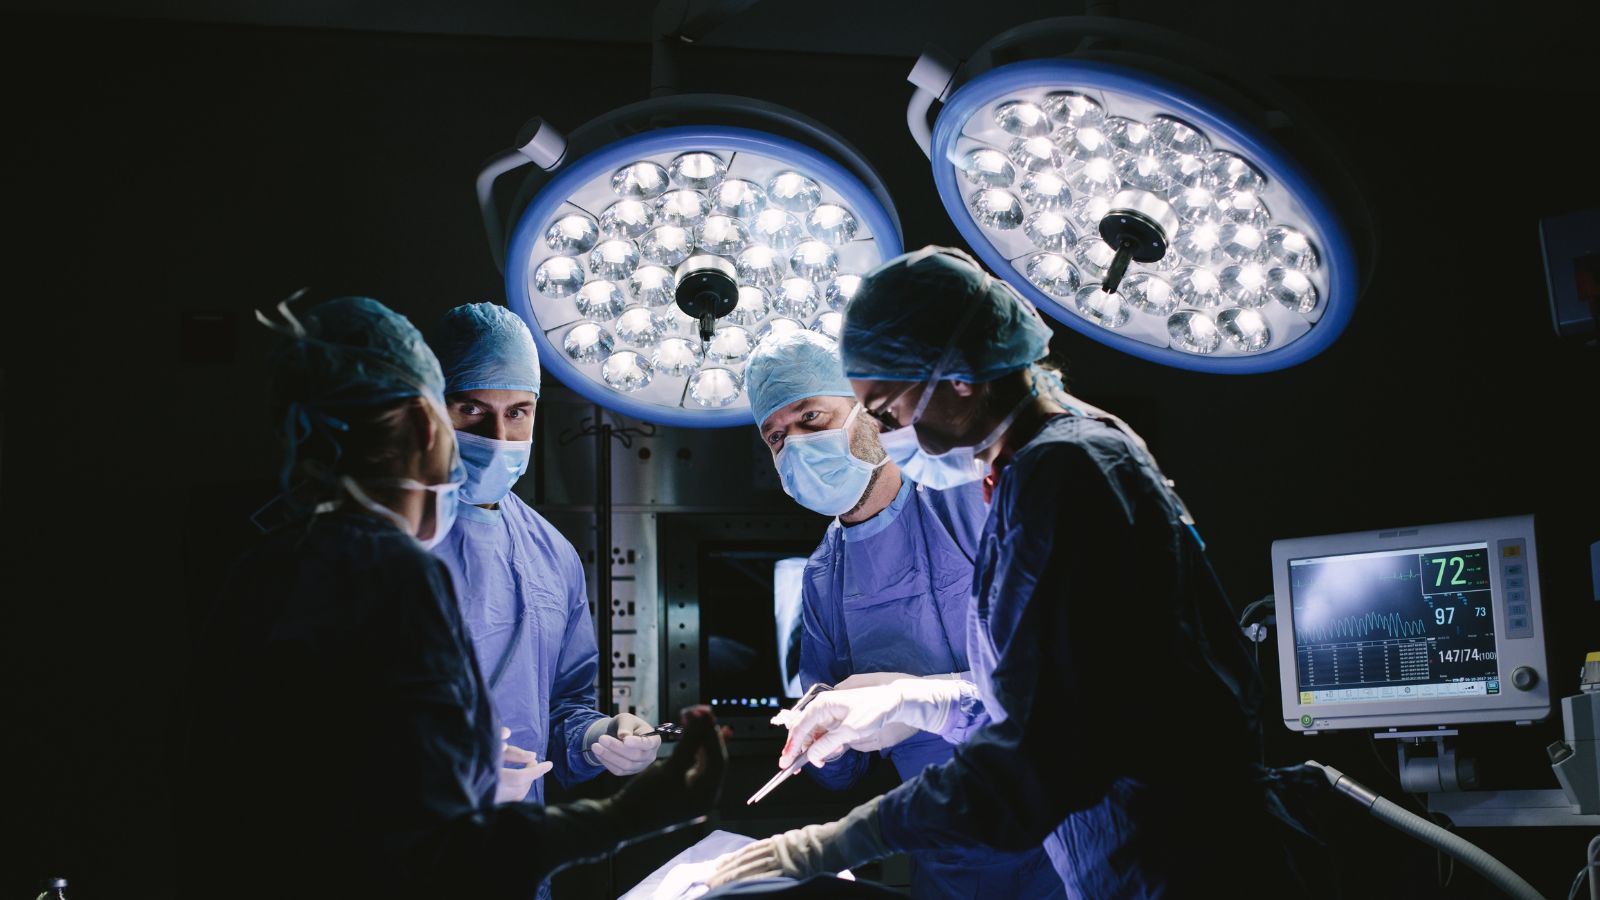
x=865, y=447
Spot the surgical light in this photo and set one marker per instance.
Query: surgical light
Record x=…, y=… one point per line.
x=656, y=246
x=1115, y=175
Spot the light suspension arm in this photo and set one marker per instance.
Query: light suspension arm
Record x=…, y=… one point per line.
x=931, y=76
x=538, y=143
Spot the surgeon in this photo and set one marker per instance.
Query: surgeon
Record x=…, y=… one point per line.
x=341, y=742
x=519, y=582
x=885, y=594
x=1115, y=704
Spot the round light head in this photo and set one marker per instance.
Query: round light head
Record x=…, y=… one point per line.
x=1238, y=261
x=764, y=232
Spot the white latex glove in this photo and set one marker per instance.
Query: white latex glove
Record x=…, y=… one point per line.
x=856, y=719
x=888, y=736
x=514, y=783
x=621, y=750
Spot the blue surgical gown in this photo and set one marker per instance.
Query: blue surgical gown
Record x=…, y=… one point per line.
x=508, y=563
x=891, y=595
x=1122, y=700
x=341, y=742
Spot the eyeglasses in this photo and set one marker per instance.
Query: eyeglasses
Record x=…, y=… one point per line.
x=886, y=420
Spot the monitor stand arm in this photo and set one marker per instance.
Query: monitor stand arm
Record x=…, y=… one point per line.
x=1448, y=779
x=1441, y=771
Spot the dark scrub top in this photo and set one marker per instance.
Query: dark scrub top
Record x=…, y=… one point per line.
x=1123, y=702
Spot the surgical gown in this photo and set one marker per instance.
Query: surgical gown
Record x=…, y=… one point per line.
x=891, y=594
x=1122, y=700
x=340, y=740
x=510, y=563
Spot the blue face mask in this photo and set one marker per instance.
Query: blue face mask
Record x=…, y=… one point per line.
x=939, y=472
x=954, y=467
x=820, y=473
x=446, y=501
x=492, y=466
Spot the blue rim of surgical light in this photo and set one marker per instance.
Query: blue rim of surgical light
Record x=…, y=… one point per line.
x=1338, y=254
x=529, y=232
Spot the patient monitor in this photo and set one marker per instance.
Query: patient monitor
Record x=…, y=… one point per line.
x=1432, y=626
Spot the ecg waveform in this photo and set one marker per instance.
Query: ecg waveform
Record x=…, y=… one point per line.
x=1369, y=625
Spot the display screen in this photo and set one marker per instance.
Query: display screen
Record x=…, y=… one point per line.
x=1396, y=625
x=747, y=667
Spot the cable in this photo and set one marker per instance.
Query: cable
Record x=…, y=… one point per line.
x=1590, y=864
x=1444, y=866
x=624, y=433
x=1423, y=830
x=1244, y=615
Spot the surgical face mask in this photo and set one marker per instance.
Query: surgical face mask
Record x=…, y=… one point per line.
x=820, y=473
x=942, y=471
x=954, y=467
x=492, y=466
x=446, y=499
x=446, y=503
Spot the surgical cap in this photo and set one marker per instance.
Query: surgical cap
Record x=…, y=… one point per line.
x=793, y=366
x=484, y=346
x=906, y=312
x=354, y=351
x=346, y=353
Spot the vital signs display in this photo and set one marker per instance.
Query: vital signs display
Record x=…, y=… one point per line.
x=1437, y=626
x=1394, y=625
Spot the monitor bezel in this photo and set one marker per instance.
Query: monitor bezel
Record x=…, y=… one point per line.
x=1510, y=705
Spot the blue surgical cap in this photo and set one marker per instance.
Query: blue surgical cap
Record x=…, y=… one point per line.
x=793, y=366
x=484, y=346
x=907, y=310
x=346, y=353
x=354, y=351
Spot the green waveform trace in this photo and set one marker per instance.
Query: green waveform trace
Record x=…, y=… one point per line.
x=1406, y=576
x=1391, y=624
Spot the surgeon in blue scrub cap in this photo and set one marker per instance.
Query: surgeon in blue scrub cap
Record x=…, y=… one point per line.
x=885, y=595
x=1113, y=712
x=334, y=673
x=519, y=582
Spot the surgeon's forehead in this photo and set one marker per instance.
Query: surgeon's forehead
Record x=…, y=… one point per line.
x=495, y=398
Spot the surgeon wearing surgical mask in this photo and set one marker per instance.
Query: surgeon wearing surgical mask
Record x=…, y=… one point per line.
x=1114, y=710
x=885, y=595
x=341, y=741
x=519, y=582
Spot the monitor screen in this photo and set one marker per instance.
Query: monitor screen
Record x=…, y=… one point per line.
x=1437, y=626
x=1394, y=625
x=749, y=611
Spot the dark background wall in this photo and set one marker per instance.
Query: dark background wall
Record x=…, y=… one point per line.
x=163, y=180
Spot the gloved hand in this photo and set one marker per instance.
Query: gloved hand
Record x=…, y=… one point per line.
x=615, y=743
x=681, y=787
x=857, y=719
x=466, y=857
x=514, y=782
x=889, y=735
x=812, y=850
